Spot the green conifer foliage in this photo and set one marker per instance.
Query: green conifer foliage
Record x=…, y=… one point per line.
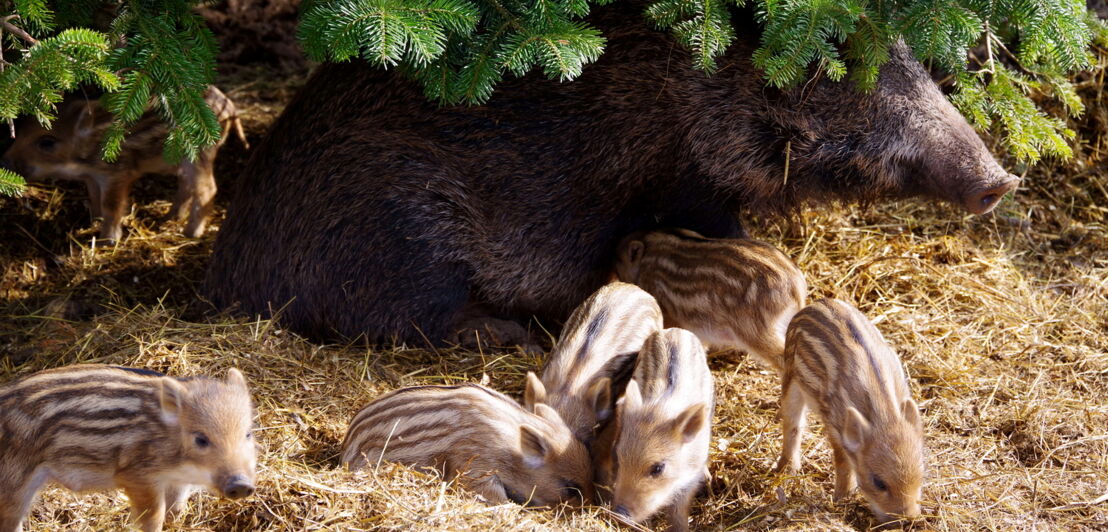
x=157, y=54
x=460, y=49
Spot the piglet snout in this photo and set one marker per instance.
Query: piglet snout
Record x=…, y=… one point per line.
x=238, y=487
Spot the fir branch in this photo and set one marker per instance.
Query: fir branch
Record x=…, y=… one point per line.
x=7, y=26
x=11, y=183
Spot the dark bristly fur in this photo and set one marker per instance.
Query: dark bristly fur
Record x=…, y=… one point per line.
x=733, y=293
x=93, y=427
x=71, y=150
x=369, y=210
x=500, y=450
x=838, y=362
x=664, y=426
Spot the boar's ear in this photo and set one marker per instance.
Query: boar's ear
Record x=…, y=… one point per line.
x=535, y=391
x=600, y=397
x=172, y=395
x=910, y=410
x=235, y=379
x=632, y=397
x=855, y=431
x=691, y=422
x=534, y=446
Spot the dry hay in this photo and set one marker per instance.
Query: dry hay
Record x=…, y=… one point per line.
x=1002, y=322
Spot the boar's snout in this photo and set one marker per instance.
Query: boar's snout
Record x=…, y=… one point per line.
x=237, y=487
x=983, y=200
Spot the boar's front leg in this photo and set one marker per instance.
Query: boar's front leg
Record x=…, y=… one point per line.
x=147, y=506
x=475, y=325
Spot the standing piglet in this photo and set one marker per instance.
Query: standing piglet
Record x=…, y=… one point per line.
x=591, y=363
x=94, y=427
x=497, y=448
x=598, y=344
x=733, y=293
x=837, y=361
x=71, y=150
x=664, y=419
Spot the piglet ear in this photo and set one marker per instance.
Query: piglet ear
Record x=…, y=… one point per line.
x=635, y=249
x=534, y=446
x=855, y=431
x=172, y=396
x=235, y=378
x=689, y=424
x=534, y=393
x=910, y=410
x=600, y=397
x=544, y=411
x=91, y=119
x=632, y=397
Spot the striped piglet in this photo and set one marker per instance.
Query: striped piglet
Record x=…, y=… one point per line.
x=94, y=427
x=592, y=362
x=733, y=293
x=485, y=439
x=838, y=362
x=664, y=426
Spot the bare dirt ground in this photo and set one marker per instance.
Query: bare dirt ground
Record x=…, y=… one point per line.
x=1002, y=323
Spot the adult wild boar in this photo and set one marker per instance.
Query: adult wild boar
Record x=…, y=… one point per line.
x=369, y=210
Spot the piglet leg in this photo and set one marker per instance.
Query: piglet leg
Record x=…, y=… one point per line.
x=794, y=418
x=794, y=410
x=183, y=200
x=844, y=473
x=94, y=197
x=202, y=186
x=678, y=512
x=18, y=486
x=147, y=506
x=115, y=197
x=490, y=488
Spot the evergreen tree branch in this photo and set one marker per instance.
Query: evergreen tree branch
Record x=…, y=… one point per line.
x=6, y=24
x=11, y=183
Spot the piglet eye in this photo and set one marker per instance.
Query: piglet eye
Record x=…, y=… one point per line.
x=249, y=435
x=201, y=440
x=46, y=143
x=879, y=484
x=657, y=469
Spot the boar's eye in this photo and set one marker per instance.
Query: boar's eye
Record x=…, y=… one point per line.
x=878, y=483
x=46, y=143
x=201, y=440
x=657, y=469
